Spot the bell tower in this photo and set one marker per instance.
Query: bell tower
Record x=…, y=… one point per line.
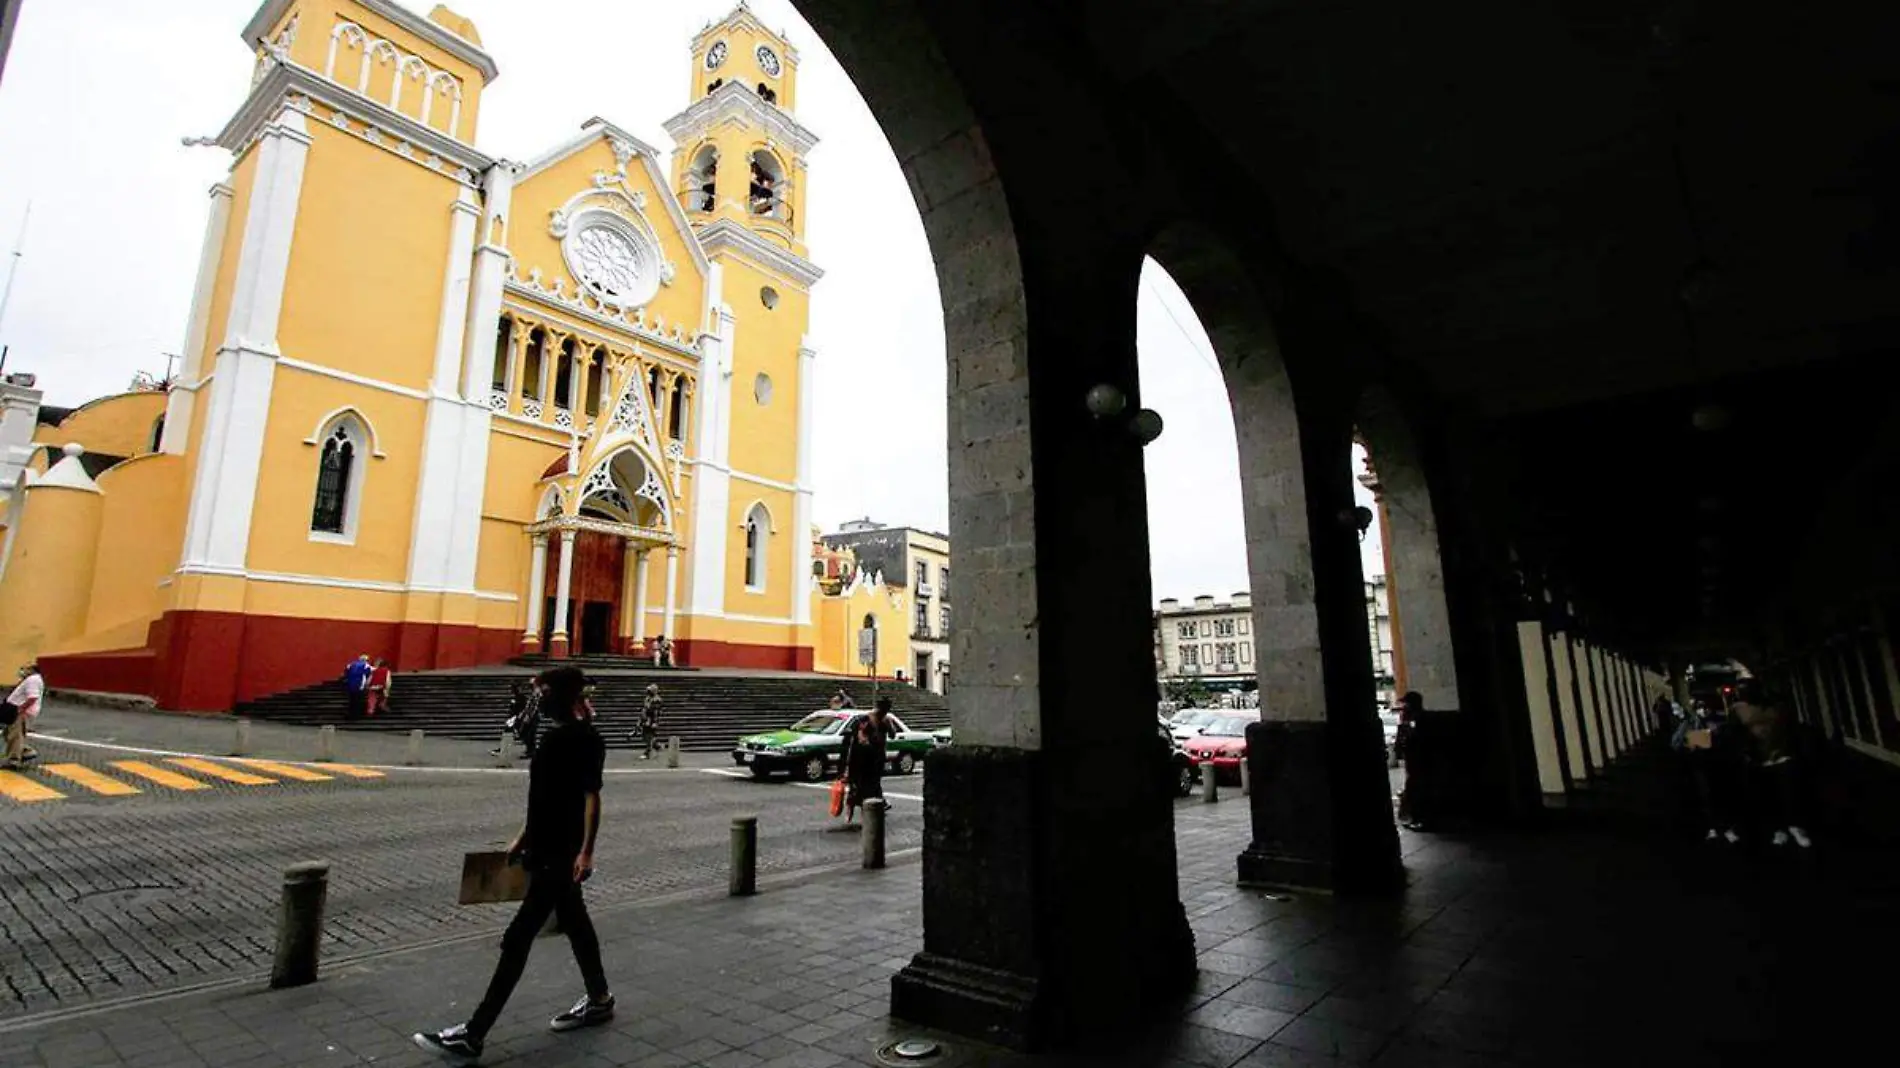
x=741, y=153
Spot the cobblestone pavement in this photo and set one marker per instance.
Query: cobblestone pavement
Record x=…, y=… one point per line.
x=109, y=896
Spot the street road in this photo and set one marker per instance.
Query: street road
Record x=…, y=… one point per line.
x=147, y=872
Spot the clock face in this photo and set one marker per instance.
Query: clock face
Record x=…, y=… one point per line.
x=768, y=61
x=715, y=55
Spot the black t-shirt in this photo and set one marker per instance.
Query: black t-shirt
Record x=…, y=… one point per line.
x=565, y=769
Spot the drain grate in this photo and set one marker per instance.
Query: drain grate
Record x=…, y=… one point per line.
x=911, y=1051
x=134, y=896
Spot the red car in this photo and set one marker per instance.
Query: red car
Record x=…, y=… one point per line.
x=1222, y=744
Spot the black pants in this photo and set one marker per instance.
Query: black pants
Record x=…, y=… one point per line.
x=359, y=703
x=649, y=733
x=550, y=892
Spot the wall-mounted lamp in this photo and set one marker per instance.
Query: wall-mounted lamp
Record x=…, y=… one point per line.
x=1106, y=401
x=1146, y=426
x=1357, y=518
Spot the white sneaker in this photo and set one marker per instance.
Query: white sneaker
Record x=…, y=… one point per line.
x=1781, y=838
x=1801, y=837
x=1732, y=837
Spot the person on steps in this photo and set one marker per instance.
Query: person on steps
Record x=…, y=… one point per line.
x=650, y=707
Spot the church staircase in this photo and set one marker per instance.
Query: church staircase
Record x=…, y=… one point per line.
x=707, y=710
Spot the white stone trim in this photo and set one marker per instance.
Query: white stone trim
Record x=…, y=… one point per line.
x=294, y=86
x=180, y=402
x=737, y=102
x=329, y=419
x=457, y=277
x=365, y=585
x=345, y=376
x=440, y=36
x=488, y=273
x=726, y=236
x=622, y=333
x=596, y=129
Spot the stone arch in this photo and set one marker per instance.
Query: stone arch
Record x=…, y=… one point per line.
x=628, y=486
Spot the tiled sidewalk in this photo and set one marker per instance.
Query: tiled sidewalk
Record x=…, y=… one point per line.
x=1594, y=943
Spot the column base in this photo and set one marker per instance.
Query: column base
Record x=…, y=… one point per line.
x=1322, y=812
x=530, y=643
x=1052, y=916
x=557, y=646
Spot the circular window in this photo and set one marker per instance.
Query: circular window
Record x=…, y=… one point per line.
x=768, y=61
x=762, y=388
x=768, y=296
x=615, y=262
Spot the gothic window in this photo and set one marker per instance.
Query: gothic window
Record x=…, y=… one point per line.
x=531, y=367
x=758, y=526
x=339, y=484
x=653, y=387
x=597, y=379
x=504, y=334
x=676, y=415
x=564, y=376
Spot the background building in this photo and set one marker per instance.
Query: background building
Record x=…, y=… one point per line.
x=1207, y=641
x=918, y=562
x=1379, y=627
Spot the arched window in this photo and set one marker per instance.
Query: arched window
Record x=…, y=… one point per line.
x=766, y=193
x=653, y=389
x=702, y=178
x=339, y=480
x=676, y=417
x=758, y=530
x=596, y=380
x=564, y=376
x=158, y=434
x=504, y=334
x=766, y=94
x=713, y=86
x=531, y=367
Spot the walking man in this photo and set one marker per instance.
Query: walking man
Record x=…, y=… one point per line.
x=650, y=718
x=556, y=845
x=22, y=705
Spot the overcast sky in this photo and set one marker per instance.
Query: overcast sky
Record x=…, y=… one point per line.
x=97, y=94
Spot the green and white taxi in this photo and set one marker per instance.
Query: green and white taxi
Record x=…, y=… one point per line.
x=811, y=748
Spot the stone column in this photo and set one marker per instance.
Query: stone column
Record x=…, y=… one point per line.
x=672, y=590
x=1547, y=739
x=640, y=597
x=1422, y=631
x=1599, y=702
x=537, y=593
x=563, y=583
x=1563, y=671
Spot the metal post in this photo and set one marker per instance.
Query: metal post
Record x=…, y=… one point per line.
x=1246, y=776
x=502, y=759
x=1210, y=783
x=744, y=880
x=326, y=743
x=300, y=924
x=241, y=745
x=673, y=752
x=415, y=747
x=874, y=810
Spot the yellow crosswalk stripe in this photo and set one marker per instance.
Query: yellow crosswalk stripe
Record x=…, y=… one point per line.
x=353, y=771
x=161, y=776
x=20, y=788
x=219, y=771
x=92, y=780
x=286, y=771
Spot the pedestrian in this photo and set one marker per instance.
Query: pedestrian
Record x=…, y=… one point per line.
x=650, y=718
x=556, y=846
x=23, y=706
x=1709, y=746
x=662, y=651
x=864, y=756
x=381, y=682
x=1664, y=712
x=356, y=686
x=1774, y=765
x=523, y=715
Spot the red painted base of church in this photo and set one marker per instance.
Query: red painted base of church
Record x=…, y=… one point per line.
x=707, y=654
x=212, y=661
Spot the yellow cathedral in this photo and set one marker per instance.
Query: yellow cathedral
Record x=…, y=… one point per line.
x=445, y=408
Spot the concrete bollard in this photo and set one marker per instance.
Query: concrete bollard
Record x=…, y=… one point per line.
x=1246, y=777
x=326, y=743
x=744, y=881
x=502, y=759
x=1210, y=783
x=673, y=752
x=874, y=811
x=414, y=759
x=300, y=924
x=241, y=744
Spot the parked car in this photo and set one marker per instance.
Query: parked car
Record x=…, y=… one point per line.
x=812, y=748
x=1222, y=744
x=1182, y=768
x=940, y=738
x=1187, y=723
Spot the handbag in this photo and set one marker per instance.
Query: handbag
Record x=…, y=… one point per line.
x=837, y=797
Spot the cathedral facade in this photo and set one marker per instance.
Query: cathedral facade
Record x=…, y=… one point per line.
x=446, y=408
